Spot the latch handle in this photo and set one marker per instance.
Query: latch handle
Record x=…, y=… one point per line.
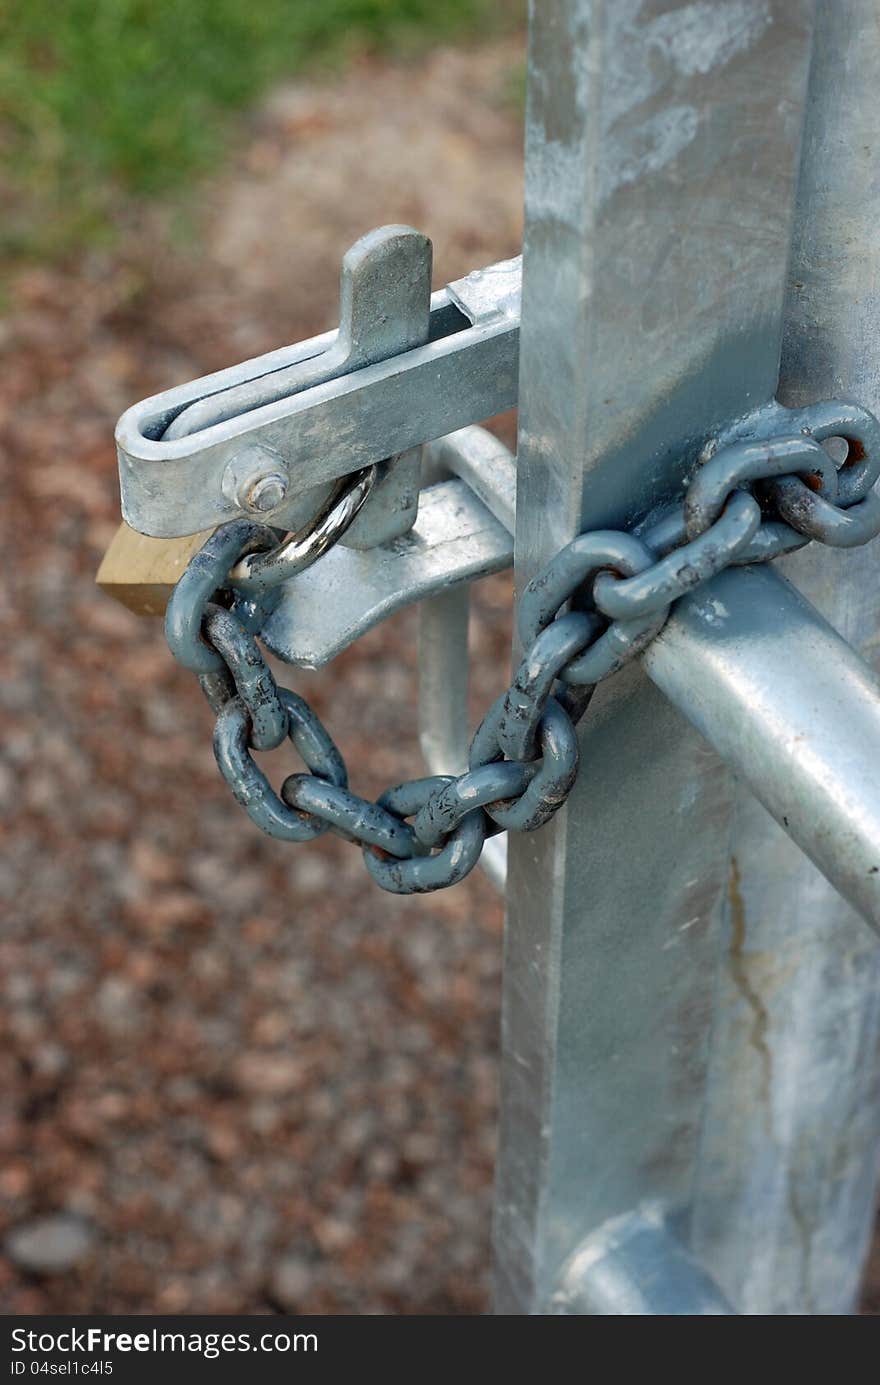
x=384, y=309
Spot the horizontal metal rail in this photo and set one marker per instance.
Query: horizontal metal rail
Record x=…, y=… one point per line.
x=792, y=708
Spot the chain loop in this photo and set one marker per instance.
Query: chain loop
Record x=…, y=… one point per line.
x=816, y=518
x=487, y=786
x=556, y=770
x=205, y=575
x=351, y=817
x=524, y=756
x=709, y=490
x=249, y=785
x=251, y=677
x=523, y=704
x=422, y=874
x=570, y=569
x=860, y=430
x=650, y=592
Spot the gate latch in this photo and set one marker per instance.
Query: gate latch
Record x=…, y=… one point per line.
x=266, y=438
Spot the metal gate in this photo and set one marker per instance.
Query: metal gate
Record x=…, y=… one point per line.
x=690, y=1114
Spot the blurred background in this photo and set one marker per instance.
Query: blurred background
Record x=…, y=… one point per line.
x=234, y=1075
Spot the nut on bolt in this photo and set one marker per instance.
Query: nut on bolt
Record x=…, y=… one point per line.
x=256, y=481
x=264, y=494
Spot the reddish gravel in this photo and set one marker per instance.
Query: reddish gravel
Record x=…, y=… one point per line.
x=246, y=1078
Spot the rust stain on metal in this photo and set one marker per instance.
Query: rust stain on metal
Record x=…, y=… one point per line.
x=856, y=451
x=739, y=969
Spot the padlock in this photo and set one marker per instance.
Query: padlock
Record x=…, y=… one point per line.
x=141, y=572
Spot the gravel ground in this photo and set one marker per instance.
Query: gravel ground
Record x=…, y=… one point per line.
x=236, y=1077
x=241, y=1077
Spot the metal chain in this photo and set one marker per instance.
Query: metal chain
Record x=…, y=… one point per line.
x=428, y=833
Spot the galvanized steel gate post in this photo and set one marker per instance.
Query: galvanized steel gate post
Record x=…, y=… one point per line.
x=690, y=1115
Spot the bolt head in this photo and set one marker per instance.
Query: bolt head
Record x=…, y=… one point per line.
x=255, y=480
x=263, y=493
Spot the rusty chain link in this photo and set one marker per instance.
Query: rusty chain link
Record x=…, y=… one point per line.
x=428, y=833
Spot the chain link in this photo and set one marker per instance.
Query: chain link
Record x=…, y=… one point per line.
x=750, y=501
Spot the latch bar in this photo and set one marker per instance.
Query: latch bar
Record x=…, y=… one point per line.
x=467, y=372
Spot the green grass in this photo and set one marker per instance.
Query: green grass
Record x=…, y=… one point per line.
x=102, y=99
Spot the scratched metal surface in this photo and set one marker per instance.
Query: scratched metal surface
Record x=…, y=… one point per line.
x=661, y=160
x=784, y=1199
x=783, y=1191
